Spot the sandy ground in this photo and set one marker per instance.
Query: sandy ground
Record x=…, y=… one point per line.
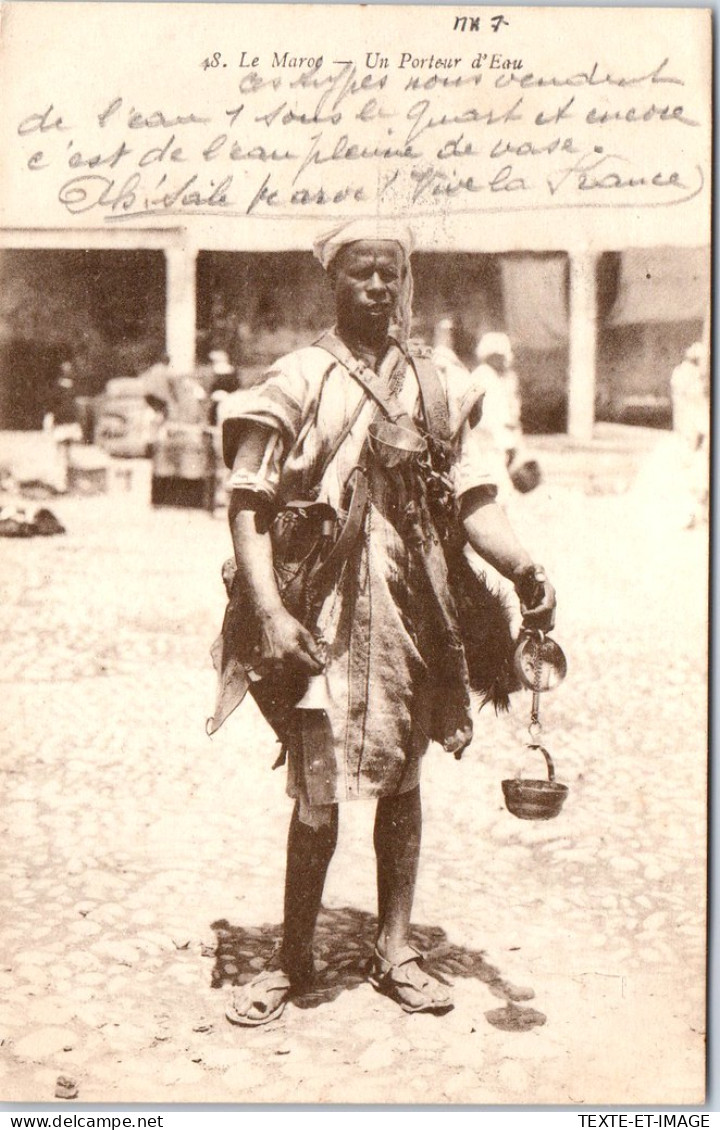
x=145, y=860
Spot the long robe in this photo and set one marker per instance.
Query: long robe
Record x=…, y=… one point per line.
x=384, y=677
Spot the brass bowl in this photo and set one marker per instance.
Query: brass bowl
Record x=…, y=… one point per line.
x=534, y=800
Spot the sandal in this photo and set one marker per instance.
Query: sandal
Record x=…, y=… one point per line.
x=407, y=983
x=261, y=1000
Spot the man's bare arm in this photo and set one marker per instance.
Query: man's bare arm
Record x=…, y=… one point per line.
x=491, y=535
x=282, y=637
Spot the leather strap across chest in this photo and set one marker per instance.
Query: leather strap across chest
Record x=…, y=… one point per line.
x=379, y=387
x=432, y=394
x=433, y=397
x=381, y=391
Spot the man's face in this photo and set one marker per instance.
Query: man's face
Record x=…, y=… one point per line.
x=367, y=276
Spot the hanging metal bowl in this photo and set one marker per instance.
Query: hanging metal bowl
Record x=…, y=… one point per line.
x=535, y=799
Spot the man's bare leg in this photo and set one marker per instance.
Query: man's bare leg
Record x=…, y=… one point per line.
x=309, y=852
x=398, y=828
x=397, y=968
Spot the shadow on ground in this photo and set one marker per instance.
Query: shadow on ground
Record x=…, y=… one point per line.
x=344, y=943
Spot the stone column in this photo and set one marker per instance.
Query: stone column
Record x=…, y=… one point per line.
x=583, y=342
x=180, y=307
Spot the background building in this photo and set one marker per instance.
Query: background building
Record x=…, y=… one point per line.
x=113, y=311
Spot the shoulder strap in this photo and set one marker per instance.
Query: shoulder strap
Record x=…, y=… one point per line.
x=432, y=393
x=438, y=423
x=325, y=573
x=373, y=385
x=340, y=439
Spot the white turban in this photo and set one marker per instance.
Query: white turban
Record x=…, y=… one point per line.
x=327, y=245
x=494, y=344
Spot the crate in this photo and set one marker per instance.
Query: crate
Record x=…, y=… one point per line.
x=87, y=480
x=88, y=469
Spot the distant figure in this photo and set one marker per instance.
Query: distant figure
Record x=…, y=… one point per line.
x=176, y=397
x=500, y=423
x=691, y=425
x=501, y=406
x=62, y=422
x=155, y=385
x=444, y=344
x=62, y=411
x=501, y=413
x=690, y=400
x=224, y=381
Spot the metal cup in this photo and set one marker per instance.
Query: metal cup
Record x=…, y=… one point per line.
x=539, y=662
x=394, y=445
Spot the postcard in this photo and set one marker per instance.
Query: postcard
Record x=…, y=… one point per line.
x=397, y=320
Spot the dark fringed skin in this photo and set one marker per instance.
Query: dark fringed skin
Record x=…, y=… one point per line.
x=484, y=619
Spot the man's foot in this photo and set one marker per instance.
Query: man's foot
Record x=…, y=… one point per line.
x=261, y=1000
x=405, y=981
x=264, y=997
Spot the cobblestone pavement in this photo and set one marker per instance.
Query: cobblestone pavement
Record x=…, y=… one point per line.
x=145, y=860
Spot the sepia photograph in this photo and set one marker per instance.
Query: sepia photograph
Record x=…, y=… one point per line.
x=355, y=384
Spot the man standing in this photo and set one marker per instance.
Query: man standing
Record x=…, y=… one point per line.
x=691, y=425
x=345, y=423
x=63, y=423
x=501, y=406
x=690, y=400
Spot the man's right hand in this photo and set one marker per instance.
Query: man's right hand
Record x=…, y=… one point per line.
x=284, y=640
x=537, y=597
